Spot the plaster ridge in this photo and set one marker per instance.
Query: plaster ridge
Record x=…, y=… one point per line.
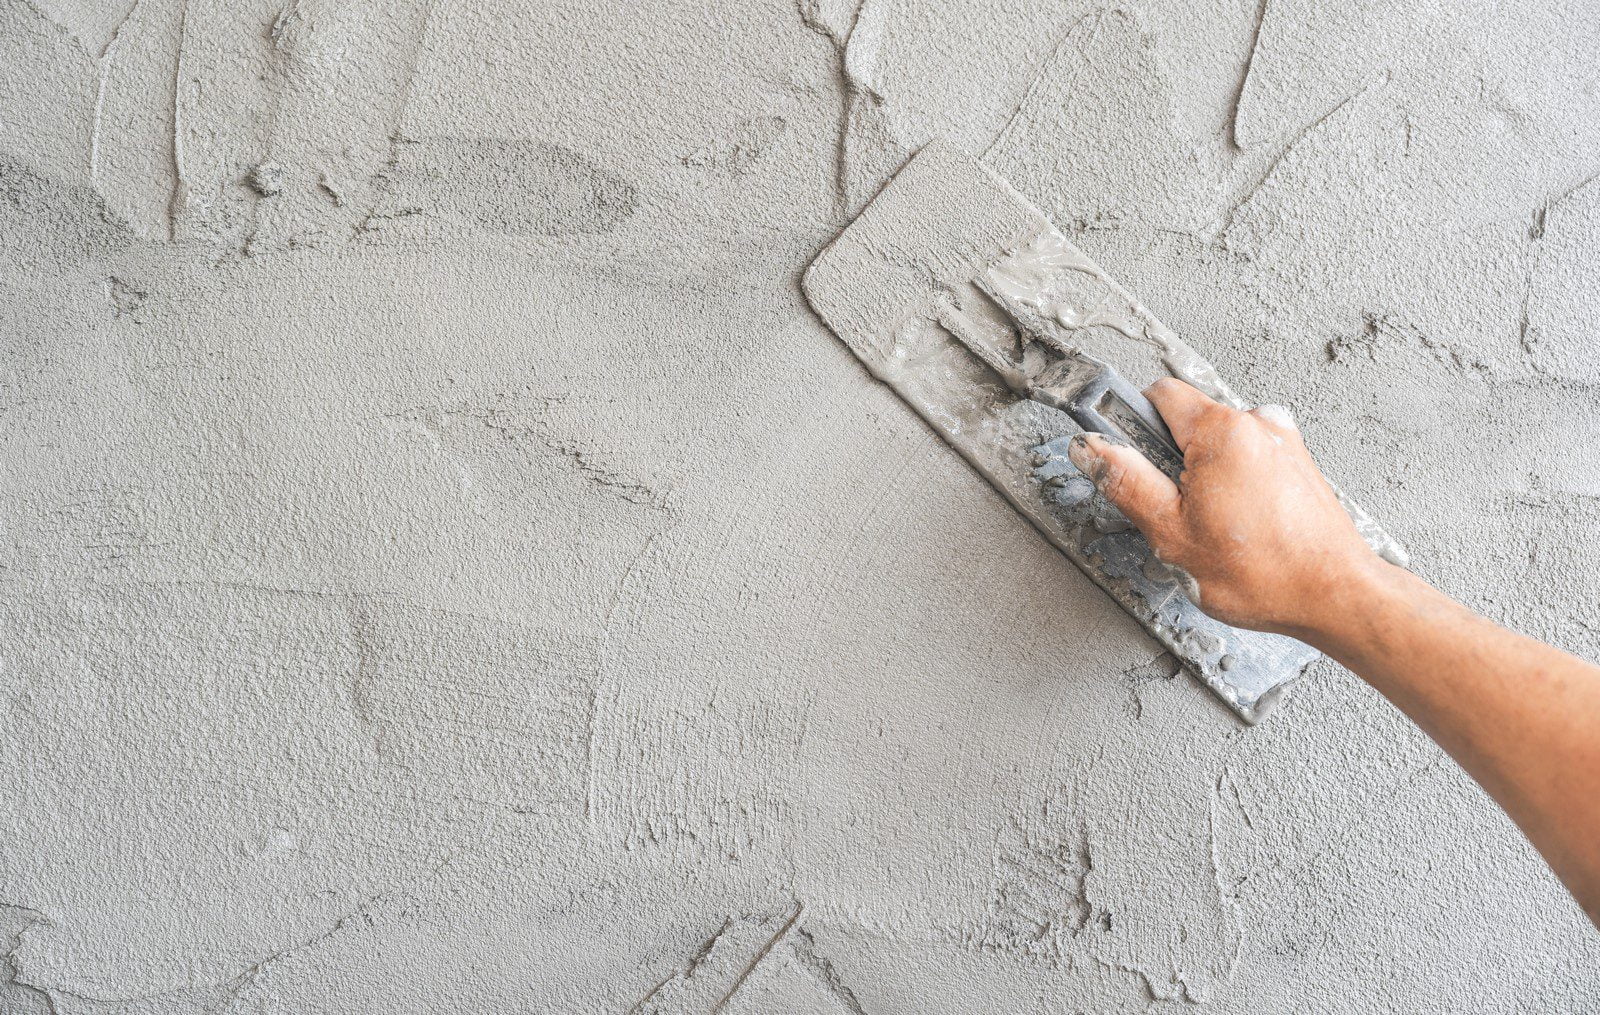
x=1527, y=334
x=363, y=909
x=1345, y=829
x=804, y=947
x=1378, y=80
x=44, y=15
x=603, y=669
x=841, y=153
x=396, y=133
x=1090, y=23
x=10, y=969
x=1244, y=79
x=103, y=65
x=1225, y=901
x=759, y=957
x=178, y=200
x=1562, y=196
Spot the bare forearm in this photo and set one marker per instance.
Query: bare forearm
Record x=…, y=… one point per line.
x=1269, y=547
x=1521, y=717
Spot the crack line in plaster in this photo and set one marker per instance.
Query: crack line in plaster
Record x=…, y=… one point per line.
x=760, y=957
x=689, y=969
x=1379, y=80
x=646, y=492
x=804, y=948
x=1094, y=23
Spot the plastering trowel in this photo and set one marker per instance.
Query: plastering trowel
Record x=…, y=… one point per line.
x=961, y=295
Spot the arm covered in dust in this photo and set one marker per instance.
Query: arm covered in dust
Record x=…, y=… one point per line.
x=1264, y=537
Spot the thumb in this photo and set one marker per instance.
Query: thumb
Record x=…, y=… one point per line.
x=1127, y=479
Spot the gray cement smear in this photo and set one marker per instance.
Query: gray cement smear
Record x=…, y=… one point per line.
x=959, y=294
x=448, y=568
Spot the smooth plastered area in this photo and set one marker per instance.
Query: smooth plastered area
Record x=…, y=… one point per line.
x=448, y=567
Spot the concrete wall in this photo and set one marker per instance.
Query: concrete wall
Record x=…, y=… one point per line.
x=447, y=568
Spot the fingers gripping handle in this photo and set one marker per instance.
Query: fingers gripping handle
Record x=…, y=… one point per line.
x=1108, y=404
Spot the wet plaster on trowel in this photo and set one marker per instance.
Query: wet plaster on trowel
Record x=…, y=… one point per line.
x=448, y=567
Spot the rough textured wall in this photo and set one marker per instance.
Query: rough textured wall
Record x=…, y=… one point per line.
x=448, y=569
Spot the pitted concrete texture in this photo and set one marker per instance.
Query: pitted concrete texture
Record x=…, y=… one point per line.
x=447, y=567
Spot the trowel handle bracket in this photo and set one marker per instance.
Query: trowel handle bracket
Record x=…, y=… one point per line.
x=1108, y=404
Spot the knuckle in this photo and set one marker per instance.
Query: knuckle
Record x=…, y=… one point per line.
x=1228, y=422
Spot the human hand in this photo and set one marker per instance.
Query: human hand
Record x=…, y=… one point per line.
x=1251, y=519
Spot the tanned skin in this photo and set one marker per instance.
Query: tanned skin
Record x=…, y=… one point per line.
x=1258, y=528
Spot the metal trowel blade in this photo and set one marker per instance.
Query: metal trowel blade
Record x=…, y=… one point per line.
x=961, y=295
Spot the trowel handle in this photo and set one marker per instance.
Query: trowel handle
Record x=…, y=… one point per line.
x=1108, y=404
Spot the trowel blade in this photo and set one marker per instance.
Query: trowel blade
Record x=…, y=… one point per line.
x=949, y=286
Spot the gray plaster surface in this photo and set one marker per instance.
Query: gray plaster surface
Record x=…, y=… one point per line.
x=447, y=567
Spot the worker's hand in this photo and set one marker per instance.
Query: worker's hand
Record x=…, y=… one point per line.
x=1251, y=520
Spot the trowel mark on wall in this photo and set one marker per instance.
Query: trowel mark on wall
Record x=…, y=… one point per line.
x=1244, y=79
x=1102, y=90
x=178, y=202
x=17, y=998
x=716, y=968
x=738, y=153
x=1388, y=335
x=92, y=25
x=868, y=151
x=504, y=186
x=1163, y=667
x=1045, y=907
x=102, y=530
x=1039, y=902
x=102, y=74
x=753, y=963
x=1555, y=329
x=339, y=81
x=1238, y=231
x=487, y=702
x=52, y=223
x=465, y=429
x=804, y=945
x=125, y=297
x=1554, y=545
x=589, y=464
x=257, y=989
x=56, y=22
x=321, y=90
